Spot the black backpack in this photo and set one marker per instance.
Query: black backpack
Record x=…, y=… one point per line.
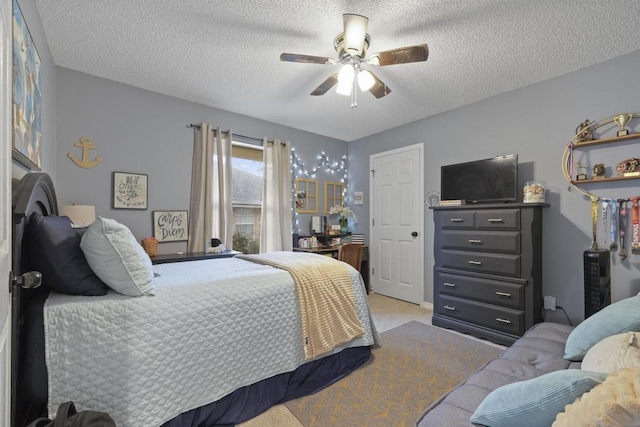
x=67, y=416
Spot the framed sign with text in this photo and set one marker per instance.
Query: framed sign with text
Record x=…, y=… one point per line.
x=129, y=190
x=170, y=226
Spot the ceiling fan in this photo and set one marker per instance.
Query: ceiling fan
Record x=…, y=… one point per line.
x=351, y=46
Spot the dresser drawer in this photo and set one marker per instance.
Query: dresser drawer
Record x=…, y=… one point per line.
x=491, y=291
x=490, y=263
x=490, y=241
x=499, y=219
x=498, y=318
x=457, y=219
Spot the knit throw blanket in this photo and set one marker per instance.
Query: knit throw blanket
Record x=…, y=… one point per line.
x=324, y=290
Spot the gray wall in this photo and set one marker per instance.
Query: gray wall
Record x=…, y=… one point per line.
x=144, y=132
x=536, y=122
x=48, y=110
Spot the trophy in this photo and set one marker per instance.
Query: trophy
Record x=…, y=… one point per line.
x=621, y=120
x=583, y=132
x=582, y=174
x=598, y=171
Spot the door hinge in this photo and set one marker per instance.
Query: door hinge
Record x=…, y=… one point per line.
x=373, y=271
x=373, y=222
x=373, y=173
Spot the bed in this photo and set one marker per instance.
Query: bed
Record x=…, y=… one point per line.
x=215, y=343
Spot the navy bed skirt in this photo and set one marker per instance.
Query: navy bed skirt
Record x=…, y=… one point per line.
x=250, y=401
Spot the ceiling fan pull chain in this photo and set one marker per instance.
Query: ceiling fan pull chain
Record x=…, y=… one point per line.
x=354, y=90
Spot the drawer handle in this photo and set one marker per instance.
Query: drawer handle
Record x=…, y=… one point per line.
x=451, y=285
x=492, y=220
x=475, y=262
x=450, y=307
x=474, y=241
x=501, y=320
x=503, y=294
x=456, y=220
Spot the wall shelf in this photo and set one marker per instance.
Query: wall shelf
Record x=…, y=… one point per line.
x=606, y=140
x=613, y=178
x=567, y=155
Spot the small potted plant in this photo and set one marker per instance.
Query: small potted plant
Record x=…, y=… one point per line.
x=345, y=214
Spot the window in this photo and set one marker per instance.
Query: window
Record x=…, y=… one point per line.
x=306, y=195
x=333, y=195
x=246, y=193
x=244, y=221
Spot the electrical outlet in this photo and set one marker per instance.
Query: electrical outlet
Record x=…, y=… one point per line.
x=550, y=303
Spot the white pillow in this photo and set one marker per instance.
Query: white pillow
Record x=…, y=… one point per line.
x=114, y=254
x=613, y=353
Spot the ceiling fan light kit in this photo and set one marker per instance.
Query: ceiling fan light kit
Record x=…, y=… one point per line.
x=355, y=32
x=351, y=47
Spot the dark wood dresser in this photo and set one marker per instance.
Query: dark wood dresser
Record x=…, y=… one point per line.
x=488, y=269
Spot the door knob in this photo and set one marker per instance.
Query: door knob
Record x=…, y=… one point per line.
x=414, y=234
x=29, y=280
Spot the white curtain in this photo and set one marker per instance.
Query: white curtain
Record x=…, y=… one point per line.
x=275, y=233
x=210, y=212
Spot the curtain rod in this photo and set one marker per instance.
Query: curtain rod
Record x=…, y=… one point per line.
x=235, y=134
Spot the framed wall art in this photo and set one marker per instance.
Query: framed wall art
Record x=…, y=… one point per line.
x=129, y=190
x=170, y=226
x=27, y=86
x=306, y=200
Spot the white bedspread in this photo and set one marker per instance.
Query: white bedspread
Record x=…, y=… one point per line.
x=212, y=327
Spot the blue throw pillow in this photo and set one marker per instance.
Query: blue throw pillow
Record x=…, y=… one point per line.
x=53, y=249
x=619, y=317
x=535, y=402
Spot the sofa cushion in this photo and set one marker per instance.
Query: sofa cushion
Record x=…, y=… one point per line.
x=538, y=351
x=619, y=317
x=534, y=402
x=614, y=403
x=613, y=353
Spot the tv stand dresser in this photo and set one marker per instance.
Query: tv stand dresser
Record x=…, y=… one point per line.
x=488, y=269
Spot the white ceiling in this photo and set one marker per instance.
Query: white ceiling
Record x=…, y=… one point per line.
x=225, y=53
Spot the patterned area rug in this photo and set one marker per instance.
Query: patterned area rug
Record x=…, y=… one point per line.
x=414, y=364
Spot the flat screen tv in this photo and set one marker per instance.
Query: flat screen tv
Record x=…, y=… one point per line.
x=493, y=180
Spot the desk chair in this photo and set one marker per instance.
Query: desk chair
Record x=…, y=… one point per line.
x=351, y=253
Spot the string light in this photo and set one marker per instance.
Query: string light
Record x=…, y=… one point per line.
x=299, y=169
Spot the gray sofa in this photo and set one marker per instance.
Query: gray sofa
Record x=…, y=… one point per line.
x=537, y=352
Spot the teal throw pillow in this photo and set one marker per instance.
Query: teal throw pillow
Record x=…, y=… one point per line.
x=619, y=317
x=535, y=402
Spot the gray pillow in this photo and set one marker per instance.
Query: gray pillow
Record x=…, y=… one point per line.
x=117, y=258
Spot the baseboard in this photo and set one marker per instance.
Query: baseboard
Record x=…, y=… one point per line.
x=427, y=305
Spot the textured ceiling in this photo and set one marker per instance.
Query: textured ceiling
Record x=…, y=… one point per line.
x=225, y=53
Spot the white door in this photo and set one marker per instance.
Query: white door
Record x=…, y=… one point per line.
x=6, y=18
x=397, y=221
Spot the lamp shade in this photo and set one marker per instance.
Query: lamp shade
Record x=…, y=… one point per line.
x=345, y=79
x=80, y=215
x=365, y=80
x=355, y=32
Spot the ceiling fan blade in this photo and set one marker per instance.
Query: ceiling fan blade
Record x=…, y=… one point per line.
x=326, y=85
x=401, y=55
x=379, y=89
x=308, y=59
x=355, y=33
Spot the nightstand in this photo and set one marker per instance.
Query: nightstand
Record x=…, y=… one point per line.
x=191, y=256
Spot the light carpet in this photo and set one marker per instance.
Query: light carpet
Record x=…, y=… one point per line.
x=414, y=364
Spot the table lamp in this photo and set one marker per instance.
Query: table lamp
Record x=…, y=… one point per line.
x=80, y=215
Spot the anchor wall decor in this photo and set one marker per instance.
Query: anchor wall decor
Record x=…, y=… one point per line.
x=86, y=144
